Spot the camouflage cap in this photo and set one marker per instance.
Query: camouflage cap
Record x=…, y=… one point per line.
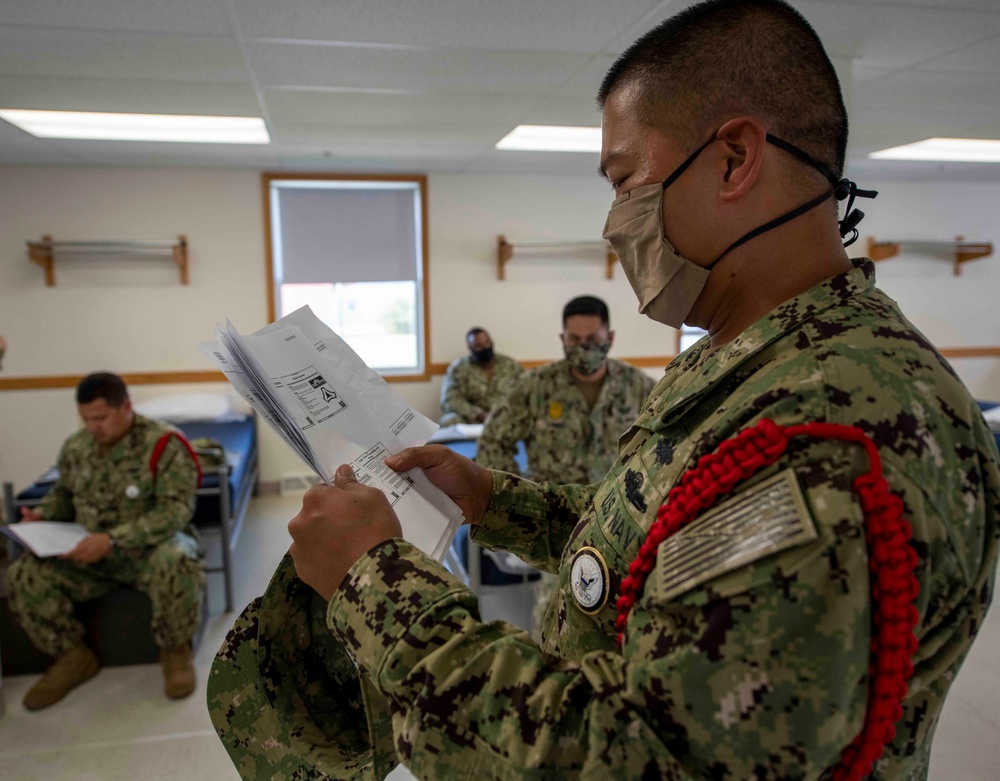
x=286, y=699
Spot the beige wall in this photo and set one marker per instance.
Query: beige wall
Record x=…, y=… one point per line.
x=133, y=315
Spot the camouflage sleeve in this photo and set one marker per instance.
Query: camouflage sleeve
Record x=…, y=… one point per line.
x=58, y=502
x=454, y=406
x=532, y=520
x=172, y=503
x=759, y=671
x=510, y=420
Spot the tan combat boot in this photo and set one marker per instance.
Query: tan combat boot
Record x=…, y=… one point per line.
x=68, y=671
x=178, y=671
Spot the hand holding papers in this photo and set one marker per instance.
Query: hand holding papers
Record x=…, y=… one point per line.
x=331, y=408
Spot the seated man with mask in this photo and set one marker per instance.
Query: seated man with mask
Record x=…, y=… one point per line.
x=473, y=384
x=569, y=413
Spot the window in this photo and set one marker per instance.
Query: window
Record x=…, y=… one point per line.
x=354, y=250
x=687, y=336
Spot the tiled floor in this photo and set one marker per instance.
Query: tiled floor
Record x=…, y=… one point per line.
x=120, y=727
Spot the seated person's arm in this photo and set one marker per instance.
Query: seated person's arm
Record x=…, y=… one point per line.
x=454, y=406
x=58, y=502
x=509, y=422
x=172, y=503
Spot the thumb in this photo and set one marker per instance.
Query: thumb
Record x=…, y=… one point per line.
x=344, y=476
x=413, y=457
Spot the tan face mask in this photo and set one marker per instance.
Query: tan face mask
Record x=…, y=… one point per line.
x=666, y=284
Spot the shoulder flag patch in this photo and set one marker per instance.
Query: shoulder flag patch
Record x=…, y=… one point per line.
x=764, y=519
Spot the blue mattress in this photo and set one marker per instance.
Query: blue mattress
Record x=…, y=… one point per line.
x=238, y=437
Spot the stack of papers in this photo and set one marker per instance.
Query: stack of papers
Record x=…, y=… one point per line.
x=332, y=409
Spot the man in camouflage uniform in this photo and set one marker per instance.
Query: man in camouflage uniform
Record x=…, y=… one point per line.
x=140, y=536
x=746, y=654
x=569, y=413
x=473, y=384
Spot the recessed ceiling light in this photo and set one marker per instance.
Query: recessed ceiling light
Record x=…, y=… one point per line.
x=552, y=138
x=945, y=150
x=139, y=127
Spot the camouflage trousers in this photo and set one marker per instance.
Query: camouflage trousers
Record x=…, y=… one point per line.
x=42, y=591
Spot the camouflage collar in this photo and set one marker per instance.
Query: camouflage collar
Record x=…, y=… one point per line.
x=696, y=370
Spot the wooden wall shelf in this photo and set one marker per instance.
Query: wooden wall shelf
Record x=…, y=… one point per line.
x=958, y=251
x=506, y=250
x=45, y=251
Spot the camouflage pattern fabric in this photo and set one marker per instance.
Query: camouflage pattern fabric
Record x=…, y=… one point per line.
x=756, y=669
x=287, y=701
x=148, y=516
x=566, y=441
x=467, y=390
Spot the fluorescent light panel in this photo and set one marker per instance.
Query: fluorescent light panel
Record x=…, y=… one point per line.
x=552, y=138
x=139, y=127
x=945, y=150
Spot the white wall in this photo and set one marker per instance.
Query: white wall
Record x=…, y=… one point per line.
x=952, y=311
x=132, y=315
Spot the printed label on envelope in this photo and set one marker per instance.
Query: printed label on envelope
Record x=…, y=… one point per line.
x=758, y=522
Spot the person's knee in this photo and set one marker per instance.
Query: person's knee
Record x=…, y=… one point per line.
x=21, y=574
x=170, y=561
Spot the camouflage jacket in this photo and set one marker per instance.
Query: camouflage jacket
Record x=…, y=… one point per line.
x=565, y=441
x=117, y=493
x=752, y=666
x=467, y=390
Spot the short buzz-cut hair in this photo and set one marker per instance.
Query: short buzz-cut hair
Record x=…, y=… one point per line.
x=473, y=332
x=102, y=385
x=587, y=305
x=722, y=59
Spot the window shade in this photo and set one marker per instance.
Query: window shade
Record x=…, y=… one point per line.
x=347, y=235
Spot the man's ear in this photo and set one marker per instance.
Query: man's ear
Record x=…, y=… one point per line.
x=744, y=140
x=611, y=337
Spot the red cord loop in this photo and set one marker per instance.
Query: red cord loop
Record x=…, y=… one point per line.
x=891, y=560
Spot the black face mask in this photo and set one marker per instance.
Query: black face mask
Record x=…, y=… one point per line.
x=482, y=356
x=841, y=189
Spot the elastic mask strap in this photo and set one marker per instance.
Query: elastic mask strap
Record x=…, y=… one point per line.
x=774, y=224
x=686, y=164
x=842, y=188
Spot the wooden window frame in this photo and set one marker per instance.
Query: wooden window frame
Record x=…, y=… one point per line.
x=421, y=180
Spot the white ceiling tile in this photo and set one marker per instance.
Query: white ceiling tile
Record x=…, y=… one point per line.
x=174, y=16
x=290, y=106
x=140, y=97
x=144, y=154
x=359, y=157
x=950, y=5
x=23, y=149
x=431, y=84
x=935, y=90
x=587, y=80
x=980, y=58
x=441, y=134
x=74, y=53
x=410, y=68
x=580, y=26
x=560, y=109
x=539, y=163
x=895, y=35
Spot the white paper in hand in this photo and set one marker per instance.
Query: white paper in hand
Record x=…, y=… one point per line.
x=331, y=409
x=46, y=538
